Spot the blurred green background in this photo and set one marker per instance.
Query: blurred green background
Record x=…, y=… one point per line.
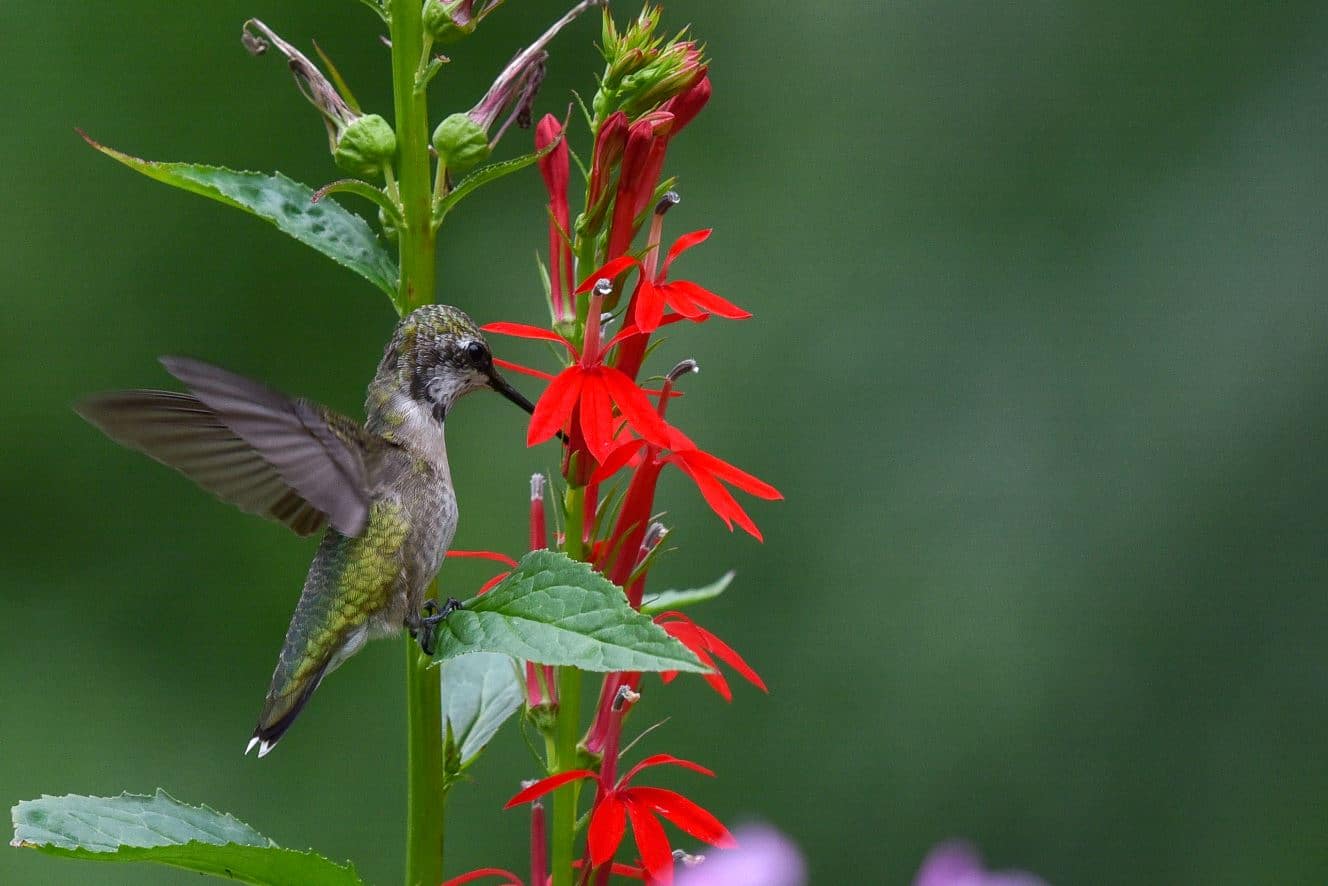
x=1040, y=362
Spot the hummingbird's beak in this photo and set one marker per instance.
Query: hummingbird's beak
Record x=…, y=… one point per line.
x=500, y=384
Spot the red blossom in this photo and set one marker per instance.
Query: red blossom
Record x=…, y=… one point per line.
x=589, y=389
x=687, y=104
x=689, y=299
x=707, y=647
x=707, y=471
x=643, y=807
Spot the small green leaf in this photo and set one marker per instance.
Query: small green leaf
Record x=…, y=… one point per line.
x=133, y=827
x=666, y=600
x=483, y=176
x=342, y=236
x=555, y=610
x=480, y=692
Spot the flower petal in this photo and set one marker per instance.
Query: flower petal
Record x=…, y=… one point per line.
x=607, y=271
x=555, y=405
x=663, y=760
x=483, y=555
x=608, y=823
x=596, y=414
x=682, y=244
x=702, y=298
x=735, y=476
x=649, y=306
x=616, y=459
x=651, y=842
x=544, y=785
x=685, y=814
x=524, y=370
x=721, y=501
x=525, y=330
x=635, y=406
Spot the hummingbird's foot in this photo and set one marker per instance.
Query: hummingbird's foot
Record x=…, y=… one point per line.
x=433, y=615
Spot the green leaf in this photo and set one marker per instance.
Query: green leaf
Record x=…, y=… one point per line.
x=133, y=827
x=555, y=610
x=342, y=236
x=480, y=692
x=666, y=600
x=483, y=176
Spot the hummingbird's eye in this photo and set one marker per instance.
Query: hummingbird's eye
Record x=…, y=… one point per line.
x=478, y=353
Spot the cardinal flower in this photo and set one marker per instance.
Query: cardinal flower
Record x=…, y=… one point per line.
x=643, y=807
x=695, y=302
x=588, y=387
x=707, y=647
x=707, y=471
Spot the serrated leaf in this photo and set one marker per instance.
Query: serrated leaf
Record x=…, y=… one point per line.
x=667, y=600
x=480, y=692
x=159, y=828
x=555, y=610
x=326, y=226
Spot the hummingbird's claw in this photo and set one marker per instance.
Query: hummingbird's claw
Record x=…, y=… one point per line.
x=427, y=633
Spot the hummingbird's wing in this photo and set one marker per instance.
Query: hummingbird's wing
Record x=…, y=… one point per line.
x=258, y=449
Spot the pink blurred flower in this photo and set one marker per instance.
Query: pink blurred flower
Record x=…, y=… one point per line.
x=764, y=857
x=956, y=863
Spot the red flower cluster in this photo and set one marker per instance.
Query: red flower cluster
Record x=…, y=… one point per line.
x=611, y=423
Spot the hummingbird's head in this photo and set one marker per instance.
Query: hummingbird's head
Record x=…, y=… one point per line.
x=436, y=356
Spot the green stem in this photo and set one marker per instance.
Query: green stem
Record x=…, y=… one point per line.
x=569, y=717
x=426, y=783
x=416, y=237
x=564, y=799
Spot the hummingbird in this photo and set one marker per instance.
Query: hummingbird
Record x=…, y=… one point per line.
x=381, y=492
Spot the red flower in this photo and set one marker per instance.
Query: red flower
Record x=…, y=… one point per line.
x=639, y=805
x=553, y=167
x=704, y=645
x=708, y=472
x=589, y=388
x=685, y=297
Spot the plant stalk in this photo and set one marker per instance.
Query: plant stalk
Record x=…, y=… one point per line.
x=564, y=799
x=425, y=777
x=416, y=237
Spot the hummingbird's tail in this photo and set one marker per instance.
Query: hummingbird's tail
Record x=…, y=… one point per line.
x=294, y=681
x=280, y=711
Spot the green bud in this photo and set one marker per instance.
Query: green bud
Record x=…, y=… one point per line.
x=543, y=717
x=461, y=143
x=448, y=21
x=365, y=145
x=389, y=229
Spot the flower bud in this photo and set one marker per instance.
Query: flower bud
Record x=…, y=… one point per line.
x=643, y=70
x=365, y=145
x=461, y=143
x=448, y=21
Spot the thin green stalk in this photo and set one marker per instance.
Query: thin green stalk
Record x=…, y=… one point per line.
x=425, y=786
x=416, y=237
